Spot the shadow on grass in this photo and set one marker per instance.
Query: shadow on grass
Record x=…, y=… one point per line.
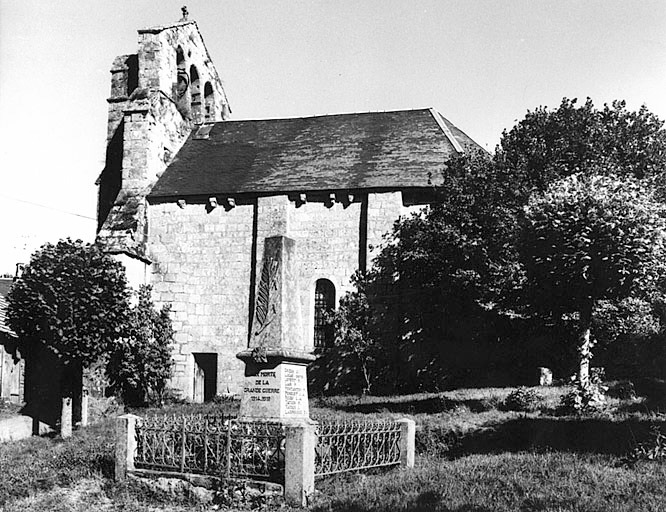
x=426, y=502
x=579, y=435
x=429, y=405
x=430, y=500
x=600, y=435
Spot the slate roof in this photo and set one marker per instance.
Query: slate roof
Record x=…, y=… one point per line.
x=380, y=150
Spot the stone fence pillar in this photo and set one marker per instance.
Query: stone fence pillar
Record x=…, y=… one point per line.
x=299, y=463
x=66, y=418
x=407, y=442
x=84, y=408
x=125, y=445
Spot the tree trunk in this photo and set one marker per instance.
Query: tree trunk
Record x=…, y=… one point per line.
x=585, y=342
x=366, y=378
x=72, y=389
x=77, y=392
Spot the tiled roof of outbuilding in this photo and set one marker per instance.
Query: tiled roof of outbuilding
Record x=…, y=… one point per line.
x=382, y=150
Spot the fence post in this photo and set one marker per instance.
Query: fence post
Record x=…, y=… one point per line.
x=66, y=417
x=84, y=408
x=125, y=445
x=227, y=472
x=183, y=453
x=299, y=461
x=407, y=442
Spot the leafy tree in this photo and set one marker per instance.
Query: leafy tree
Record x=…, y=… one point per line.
x=460, y=246
x=73, y=299
x=353, y=336
x=435, y=276
x=443, y=279
x=626, y=333
x=588, y=239
x=551, y=144
x=140, y=363
x=354, y=360
x=548, y=145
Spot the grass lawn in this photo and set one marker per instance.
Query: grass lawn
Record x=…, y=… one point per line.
x=504, y=482
x=471, y=456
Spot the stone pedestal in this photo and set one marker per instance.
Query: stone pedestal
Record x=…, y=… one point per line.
x=277, y=388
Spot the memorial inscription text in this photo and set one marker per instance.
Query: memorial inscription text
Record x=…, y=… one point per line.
x=295, y=395
x=264, y=386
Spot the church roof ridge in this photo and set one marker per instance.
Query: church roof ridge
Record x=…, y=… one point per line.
x=331, y=114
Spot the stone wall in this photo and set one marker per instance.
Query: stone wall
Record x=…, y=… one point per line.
x=327, y=243
x=206, y=264
x=154, y=131
x=201, y=266
x=124, y=80
x=383, y=210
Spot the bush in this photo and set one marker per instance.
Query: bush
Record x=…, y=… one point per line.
x=652, y=389
x=655, y=449
x=587, y=397
x=623, y=390
x=140, y=363
x=522, y=399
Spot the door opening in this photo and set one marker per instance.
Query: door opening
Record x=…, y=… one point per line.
x=205, y=376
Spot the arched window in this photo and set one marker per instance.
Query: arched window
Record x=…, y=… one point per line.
x=180, y=59
x=182, y=80
x=324, y=302
x=209, y=102
x=196, y=94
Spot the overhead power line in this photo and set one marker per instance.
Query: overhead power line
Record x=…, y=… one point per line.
x=47, y=207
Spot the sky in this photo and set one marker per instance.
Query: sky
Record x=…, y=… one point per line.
x=481, y=63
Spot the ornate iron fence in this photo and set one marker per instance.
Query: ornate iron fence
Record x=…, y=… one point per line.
x=354, y=445
x=256, y=450
x=225, y=447
x=211, y=445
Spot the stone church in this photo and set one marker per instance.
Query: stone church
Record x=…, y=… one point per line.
x=188, y=196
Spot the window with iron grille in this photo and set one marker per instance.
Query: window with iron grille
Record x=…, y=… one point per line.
x=324, y=301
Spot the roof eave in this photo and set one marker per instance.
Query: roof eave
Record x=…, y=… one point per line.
x=199, y=197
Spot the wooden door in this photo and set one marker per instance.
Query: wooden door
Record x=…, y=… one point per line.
x=198, y=383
